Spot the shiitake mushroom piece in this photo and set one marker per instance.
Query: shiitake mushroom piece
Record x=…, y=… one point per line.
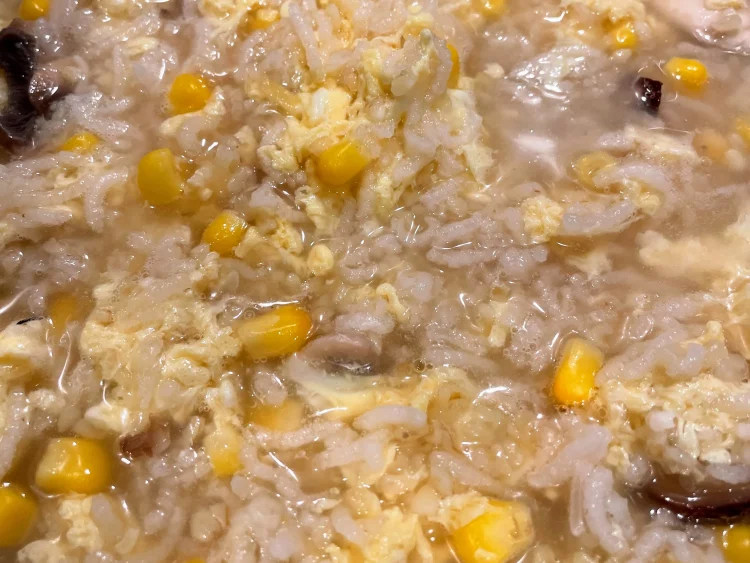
x=31, y=92
x=348, y=352
x=648, y=93
x=709, y=501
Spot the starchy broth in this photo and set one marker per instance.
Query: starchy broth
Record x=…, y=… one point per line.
x=374, y=281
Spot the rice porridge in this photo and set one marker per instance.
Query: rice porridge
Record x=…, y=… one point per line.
x=362, y=281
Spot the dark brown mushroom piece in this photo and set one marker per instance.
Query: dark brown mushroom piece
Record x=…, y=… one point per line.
x=648, y=93
x=709, y=500
x=171, y=9
x=152, y=441
x=353, y=353
x=17, y=61
x=47, y=87
x=30, y=93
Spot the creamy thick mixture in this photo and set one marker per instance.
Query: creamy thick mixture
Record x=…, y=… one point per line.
x=374, y=281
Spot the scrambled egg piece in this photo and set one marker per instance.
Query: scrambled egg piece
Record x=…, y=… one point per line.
x=278, y=240
x=542, y=217
x=478, y=158
x=458, y=510
x=23, y=350
x=214, y=110
x=320, y=260
x=399, y=534
x=175, y=339
x=615, y=10
x=654, y=144
x=43, y=551
x=82, y=531
x=593, y=263
x=327, y=113
x=499, y=331
x=225, y=15
x=694, y=410
x=393, y=304
x=722, y=256
x=116, y=418
x=321, y=212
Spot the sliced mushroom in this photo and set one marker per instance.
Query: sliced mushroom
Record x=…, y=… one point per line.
x=709, y=500
x=17, y=60
x=171, y=9
x=154, y=440
x=30, y=93
x=47, y=86
x=648, y=93
x=354, y=353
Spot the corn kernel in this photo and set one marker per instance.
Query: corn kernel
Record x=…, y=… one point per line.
x=80, y=143
x=283, y=418
x=189, y=92
x=735, y=543
x=223, y=447
x=18, y=510
x=225, y=232
x=742, y=126
x=574, y=379
x=195, y=560
x=455, y=67
x=33, y=9
x=690, y=74
x=623, y=36
x=491, y=8
x=275, y=334
x=588, y=165
x=75, y=465
x=159, y=179
x=341, y=163
x=62, y=310
x=501, y=534
x=710, y=144
x=258, y=20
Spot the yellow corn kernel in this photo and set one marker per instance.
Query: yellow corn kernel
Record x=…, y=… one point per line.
x=690, y=74
x=18, y=510
x=711, y=144
x=502, y=533
x=225, y=232
x=491, y=8
x=159, y=179
x=223, y=447
x=623, y=36
x=574, y=379
x=283, y=418
x=588, y=165
x=189, y=92
x=258, y=20
x=80, y=143
x=275, y=334
x=742, y=126
x=62, y=309
x=735, y=543
x=341, y=163
x=195, y=560
x=33, y=9
x=75, y=465
x=455, y=68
